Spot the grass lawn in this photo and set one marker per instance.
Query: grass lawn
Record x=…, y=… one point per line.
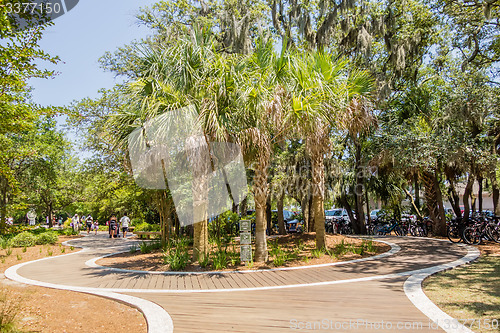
x=471, y=291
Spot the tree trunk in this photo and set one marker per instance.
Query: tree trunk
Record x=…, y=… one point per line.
x=269, y=215
x=434, y=200
x=496, y=192
x=243, y=207
x=367, y=207
x=200, y=156
x=358, y=192
x=305, y=212
x=417, y=194
x=3, y=203
x=311, y=215
x=260, y=194
x=480, y=194
x=467, y=193
x=318, y=183
x=281, y=218
x=454, y=197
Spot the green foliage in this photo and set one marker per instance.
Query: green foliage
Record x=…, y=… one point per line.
x=176, y=255
x=147, y=227
x=46, y=238
x=24, y=239
x=220, y=259
x=148, y=247
x=317, y=253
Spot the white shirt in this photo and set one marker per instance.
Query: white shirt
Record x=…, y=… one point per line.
x=125, y=221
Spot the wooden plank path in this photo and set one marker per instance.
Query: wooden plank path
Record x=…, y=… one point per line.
x=71, y=270
x=264, y=301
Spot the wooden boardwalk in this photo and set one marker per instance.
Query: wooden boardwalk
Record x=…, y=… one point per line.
x=322, y=298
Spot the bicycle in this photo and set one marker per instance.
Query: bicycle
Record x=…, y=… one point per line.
x=388, y=228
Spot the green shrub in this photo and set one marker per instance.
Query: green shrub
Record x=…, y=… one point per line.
x=4, y=243
x=135, y=221
x=46, y=238
x=149, y=247
x=220, y=259
x=147, y=227
x=23, y=239
x=177, y=258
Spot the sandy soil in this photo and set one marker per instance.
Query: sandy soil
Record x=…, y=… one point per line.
x=154, y=261
x=58, y=311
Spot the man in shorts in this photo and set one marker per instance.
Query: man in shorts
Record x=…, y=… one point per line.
x=113, y=227
x=125, y=221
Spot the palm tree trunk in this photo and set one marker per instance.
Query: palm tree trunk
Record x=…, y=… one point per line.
x=358, y=192
x=260, y=194
x=318, y=182
x=281, y=219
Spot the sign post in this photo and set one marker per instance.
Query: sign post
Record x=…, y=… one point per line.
x=31, y=217
x=245, y=241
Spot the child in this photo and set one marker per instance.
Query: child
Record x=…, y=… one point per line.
x=96, y=226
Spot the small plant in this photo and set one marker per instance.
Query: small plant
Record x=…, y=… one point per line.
x=369, y=246
x=177, y=258
x=3, y=260
x=24, y=239
x=8, y=252
x=25, y=249
x=49, y=253
x=249, y=264
x=341, y=248
x=205, y=261
x=133, y=249
x=19, y=257
x=40, y=250
x=300, y=245
x=220, y=259
x=63, y=249
x=9, y=309
x=71, y=248
x=317, y=253
x=4, y=243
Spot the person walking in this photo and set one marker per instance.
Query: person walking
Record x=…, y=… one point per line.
x=89, y=221
x=125, y=221
x=113, y=227
x=75, y=221
x=96, y=226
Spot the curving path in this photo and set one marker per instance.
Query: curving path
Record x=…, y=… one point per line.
x=382, y=293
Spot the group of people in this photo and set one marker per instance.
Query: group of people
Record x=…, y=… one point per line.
x=115, y=225
x=89, y=222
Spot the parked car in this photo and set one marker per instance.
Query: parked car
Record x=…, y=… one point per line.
x=336, y=214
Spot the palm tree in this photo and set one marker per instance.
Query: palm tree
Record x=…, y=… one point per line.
x=357, y=119
x=261, y=121
x=179, y=75
x=318, y=94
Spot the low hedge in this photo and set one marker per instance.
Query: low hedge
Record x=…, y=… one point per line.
x=24, y=239
x=46, y=238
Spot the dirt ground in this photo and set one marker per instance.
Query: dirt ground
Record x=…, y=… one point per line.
x=154, y=261
x=57, y=311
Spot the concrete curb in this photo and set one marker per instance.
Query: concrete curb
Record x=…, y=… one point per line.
x=158, y=320
x=413, y=290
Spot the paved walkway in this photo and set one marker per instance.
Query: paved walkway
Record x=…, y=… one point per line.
x=355, y=296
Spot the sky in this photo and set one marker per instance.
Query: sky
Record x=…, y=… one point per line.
x=80, y=38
